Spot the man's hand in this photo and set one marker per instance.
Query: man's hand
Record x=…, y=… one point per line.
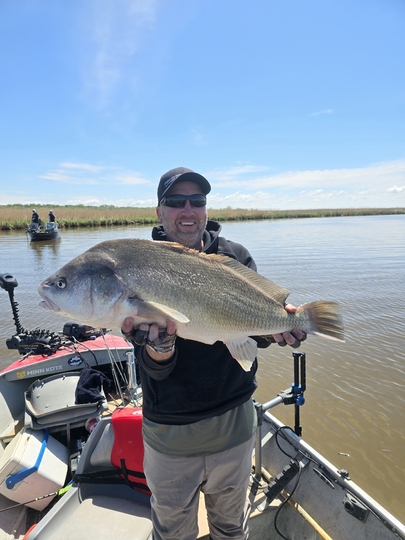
x=159, y=341
x=293, y=338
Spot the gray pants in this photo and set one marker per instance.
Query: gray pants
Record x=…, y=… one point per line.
x=176, y=484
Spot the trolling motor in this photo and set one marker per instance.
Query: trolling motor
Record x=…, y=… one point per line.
x=290, y=396
x=295, y=395
x=38, y=341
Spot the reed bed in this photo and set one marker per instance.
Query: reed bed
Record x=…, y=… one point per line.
x=17, y=217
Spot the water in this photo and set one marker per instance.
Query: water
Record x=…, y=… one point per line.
x=355, y=398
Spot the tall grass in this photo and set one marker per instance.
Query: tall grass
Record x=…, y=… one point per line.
x=18, y=216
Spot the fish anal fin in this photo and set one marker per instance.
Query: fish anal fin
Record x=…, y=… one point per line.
x=244, y=352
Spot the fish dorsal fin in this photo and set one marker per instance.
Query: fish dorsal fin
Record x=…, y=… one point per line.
x=276, y=292
x=169, y=312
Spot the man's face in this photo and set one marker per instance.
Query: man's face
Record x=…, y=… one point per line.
x=184, y=225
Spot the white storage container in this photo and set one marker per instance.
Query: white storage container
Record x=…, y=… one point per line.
x=32, y=465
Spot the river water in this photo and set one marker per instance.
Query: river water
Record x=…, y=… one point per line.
x=355, y=398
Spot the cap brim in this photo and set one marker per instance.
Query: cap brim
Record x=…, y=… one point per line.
x=191, y=177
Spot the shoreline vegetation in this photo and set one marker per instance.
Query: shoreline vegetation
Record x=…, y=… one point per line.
x=18, y=216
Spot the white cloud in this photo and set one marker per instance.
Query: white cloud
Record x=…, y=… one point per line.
x=131, y=179
x=315, y=199
x=56, y=176
x=240, y=186
x=396, y=189
x=114, y=31
x=92, y=201
x=81, y=166
x=374, y=176
x=87, y=174
x=372, y=186
x=325, y=111
x=230, y=175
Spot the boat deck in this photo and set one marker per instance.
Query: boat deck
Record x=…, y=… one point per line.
x=259, y=518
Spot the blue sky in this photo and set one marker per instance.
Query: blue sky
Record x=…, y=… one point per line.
x=281, y=104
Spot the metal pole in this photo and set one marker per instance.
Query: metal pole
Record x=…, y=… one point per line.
x=258, y=444
x=270, y=404
x=298, y=388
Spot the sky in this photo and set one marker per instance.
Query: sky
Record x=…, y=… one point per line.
x=281, y=104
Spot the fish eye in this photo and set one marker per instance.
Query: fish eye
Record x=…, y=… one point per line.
x=61, y=283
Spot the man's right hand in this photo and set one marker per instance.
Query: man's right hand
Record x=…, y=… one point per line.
x=160, y=341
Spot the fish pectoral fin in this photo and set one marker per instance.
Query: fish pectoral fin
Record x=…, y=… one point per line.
x=244, y=352
x=167, y=311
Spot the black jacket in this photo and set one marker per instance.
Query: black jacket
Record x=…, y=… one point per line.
x=200, y=380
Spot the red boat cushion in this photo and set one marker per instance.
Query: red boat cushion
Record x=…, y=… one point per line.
x=127, y=453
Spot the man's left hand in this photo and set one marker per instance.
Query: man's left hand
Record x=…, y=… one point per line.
x=292, y=338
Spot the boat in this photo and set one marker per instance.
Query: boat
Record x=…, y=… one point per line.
x=42, y=426
x=36, y=232
x=90, y=481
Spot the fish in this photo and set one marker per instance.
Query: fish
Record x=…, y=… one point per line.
x=209, y=297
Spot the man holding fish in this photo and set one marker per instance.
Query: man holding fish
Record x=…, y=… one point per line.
x=197, y=310
x=199, y=419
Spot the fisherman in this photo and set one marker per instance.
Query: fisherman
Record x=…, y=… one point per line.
x=199, y=420
x=35, y=217
x=51, y=216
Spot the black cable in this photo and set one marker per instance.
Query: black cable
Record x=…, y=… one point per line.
x=278, y=432
x=76, y=342
x=285, y=502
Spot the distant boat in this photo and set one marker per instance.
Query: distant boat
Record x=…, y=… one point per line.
x=35, y=231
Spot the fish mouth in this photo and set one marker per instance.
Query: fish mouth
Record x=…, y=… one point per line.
x=48, y=304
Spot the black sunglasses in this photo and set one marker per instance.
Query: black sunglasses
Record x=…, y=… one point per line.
x=179, y=201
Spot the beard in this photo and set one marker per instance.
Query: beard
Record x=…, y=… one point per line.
x=192, y=239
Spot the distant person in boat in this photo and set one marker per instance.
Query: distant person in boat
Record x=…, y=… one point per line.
x=35, y=217
x=199, y=420
x=51, y=216
x=35, y=221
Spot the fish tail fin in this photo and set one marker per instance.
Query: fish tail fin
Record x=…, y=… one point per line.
x=324, y=319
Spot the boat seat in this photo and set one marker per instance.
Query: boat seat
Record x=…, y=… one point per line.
x=110, y=517
x=51, y=402
x=128, y=451
x=122, y=439
x=115, y=510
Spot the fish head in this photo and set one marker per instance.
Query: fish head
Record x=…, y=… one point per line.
x=86, y=289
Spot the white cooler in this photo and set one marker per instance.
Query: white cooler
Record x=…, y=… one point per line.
x=32, y=465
